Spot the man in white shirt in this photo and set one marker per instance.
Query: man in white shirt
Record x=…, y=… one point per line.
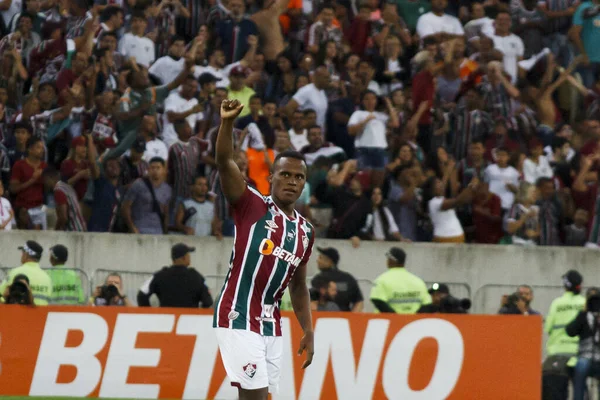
x=135, y=44
x=503, y=179
x=168, y=67
x=438, y=23
x=312, y=96
x=154, y=146
x=181, y=105
x=509, y=44
x=298, y=133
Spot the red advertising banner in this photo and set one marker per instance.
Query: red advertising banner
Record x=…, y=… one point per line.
x=172, y=353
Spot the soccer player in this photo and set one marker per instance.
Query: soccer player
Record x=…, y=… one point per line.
x=271, y=248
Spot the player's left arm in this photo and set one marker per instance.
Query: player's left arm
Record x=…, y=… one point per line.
x=301, y=303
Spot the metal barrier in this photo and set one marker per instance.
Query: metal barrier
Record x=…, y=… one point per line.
x=131, y=281
x=488, y=297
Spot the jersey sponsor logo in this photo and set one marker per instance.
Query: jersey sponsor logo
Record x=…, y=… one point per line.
x=233, y=315
x=291, y=236
x=268, y=248
x=250, y=370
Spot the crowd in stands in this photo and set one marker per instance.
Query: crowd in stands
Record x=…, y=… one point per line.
x=435, y=120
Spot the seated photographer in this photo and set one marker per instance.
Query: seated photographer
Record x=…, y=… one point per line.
x=443, y=302
x=18, y=292
x=514, y=304
x=322, y=295
x=587, y=326
x=111, y=293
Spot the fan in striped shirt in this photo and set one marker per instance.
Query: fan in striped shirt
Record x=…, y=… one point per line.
x=68, y=213
x=272, y=245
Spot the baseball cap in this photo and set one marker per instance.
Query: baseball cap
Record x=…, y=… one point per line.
x=439, y=287
x=397, y=255
x=60, y=253
x=32, y=248
x=78, y=141
x=139, y=145
x=238, y=70
x=207, y=77
x=572, y=279
x=330, y=253
x=180, y=250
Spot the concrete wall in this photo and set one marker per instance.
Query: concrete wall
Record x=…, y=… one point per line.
x=476, y=265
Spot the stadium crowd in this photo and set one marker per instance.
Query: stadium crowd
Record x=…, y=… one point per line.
x=420, y=121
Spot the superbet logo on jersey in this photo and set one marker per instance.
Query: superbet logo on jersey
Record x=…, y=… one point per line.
x=268, y=248
x=173, y=353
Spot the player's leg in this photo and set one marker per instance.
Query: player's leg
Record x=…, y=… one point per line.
x=274, y=346
x=243, y=354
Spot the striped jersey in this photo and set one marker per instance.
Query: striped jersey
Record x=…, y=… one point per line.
x=65, y=194
x=268, y=248
x=184, y=159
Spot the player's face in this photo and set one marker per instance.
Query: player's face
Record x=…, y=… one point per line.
x=288, y=179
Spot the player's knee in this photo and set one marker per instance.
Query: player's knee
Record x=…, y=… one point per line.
x=255, y=394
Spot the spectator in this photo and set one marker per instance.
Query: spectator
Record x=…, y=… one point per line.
x=177, y=285
x=27, y=187
x=324, y=29
x=585, y=37
x=576, y=234
x=66, y=283
x=551, y=213
x=397, y=290
x=68, y=212
x=560, y=348
x=196, y=215
x=317, y=148
x=75, y=170
x=312, y=96
x=145, y=207
x=182, y=105
x=487, y=215
x=233, y=33
x=349, y=296
x=324, y=293
x=438, y=292
x=403, y=201
x=133, y=166
x=111, y=293
x=380, y=224
x=237, y=89
x=508, y=43
x=7, y=215
x=155, y=147
x=523, y=221
x=502, y=178
x=166, y=68
x=258, y=117
x=297, y=131
x=526, y=292
x=438, y=24
x=536, y=165
x=185, y=157
x=38, y=279
x=135, y=44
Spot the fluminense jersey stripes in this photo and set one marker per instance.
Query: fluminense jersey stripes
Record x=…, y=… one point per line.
x=268, y=248
x=76, y=222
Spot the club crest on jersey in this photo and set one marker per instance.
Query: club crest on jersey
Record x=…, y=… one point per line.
x=291, y=236
x=268, y=248
x=250, y=370
x=271, y=226
x=305, y=241
x=233, y=315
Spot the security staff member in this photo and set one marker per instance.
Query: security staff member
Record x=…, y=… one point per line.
x=39, y=281
x=397, y=290
x=177, y=285
x=66, y=284
x=561, y=349
x=437, y=292
x=349, y=297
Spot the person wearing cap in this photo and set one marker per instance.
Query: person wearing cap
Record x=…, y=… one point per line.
x=561, y=349
x=182, y=105
x=208, y=84
x=67, y=288
x=75, y=170
x=238, y=90
x=397, y=290
x=39, y=281
x=133, y=165
x=155, y=147
x=178, y=285
x=438, y=291
x=349, y=296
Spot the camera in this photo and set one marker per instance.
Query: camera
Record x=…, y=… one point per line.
x=452, y=305
x=109, y=295
x=18, y=293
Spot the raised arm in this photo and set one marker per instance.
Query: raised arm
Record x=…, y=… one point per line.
x=232, y=180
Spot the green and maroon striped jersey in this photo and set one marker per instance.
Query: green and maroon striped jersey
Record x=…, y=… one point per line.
x=268, y=248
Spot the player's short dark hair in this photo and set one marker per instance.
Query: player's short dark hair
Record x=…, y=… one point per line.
x=157, y=160
x=289, y=154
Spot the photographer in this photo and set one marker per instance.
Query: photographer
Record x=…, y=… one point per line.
x=587, y=327
x=18, y=292
x=111, y=293
x=514, y=304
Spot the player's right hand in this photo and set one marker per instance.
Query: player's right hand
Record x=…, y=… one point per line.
x=230, y=109
x=307, y=343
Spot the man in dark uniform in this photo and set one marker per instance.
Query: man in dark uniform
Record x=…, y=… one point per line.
x=349, y=297
x=437, y=292
x=177, y=285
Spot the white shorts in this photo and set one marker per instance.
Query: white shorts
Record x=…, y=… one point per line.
x=252, y=361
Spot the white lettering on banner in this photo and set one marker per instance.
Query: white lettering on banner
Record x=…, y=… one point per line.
x=447, y=367
x=53, y=353
x=333, y=337
x=205, y=350
x=123, y=355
